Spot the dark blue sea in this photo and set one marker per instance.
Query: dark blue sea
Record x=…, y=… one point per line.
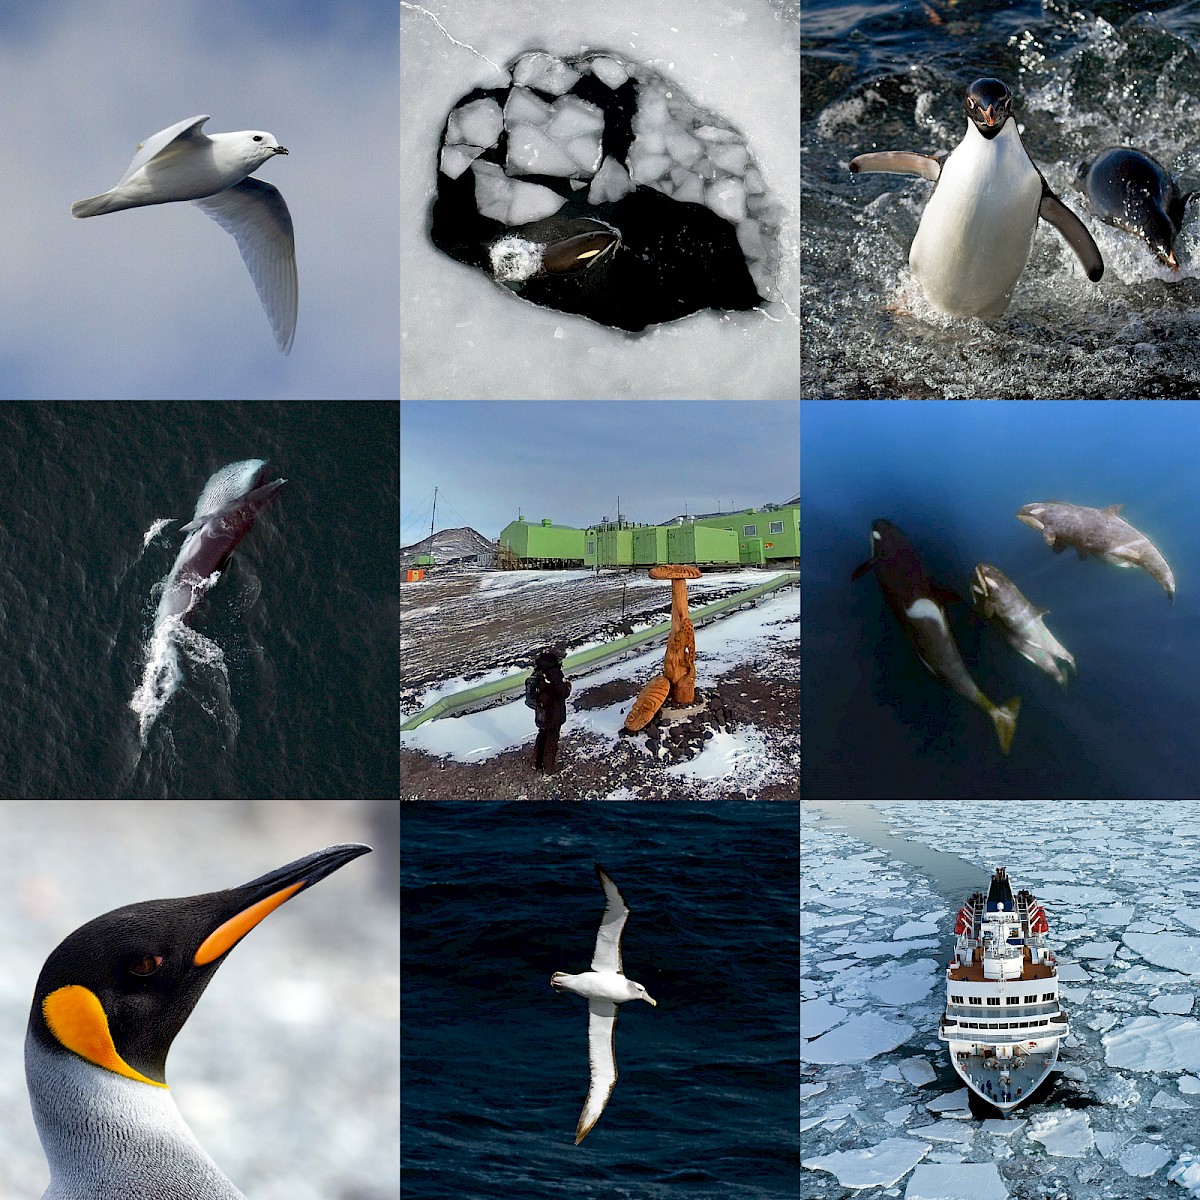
x=876, y=724
x=287, y=688
x=494, y=1070
x=891, y=76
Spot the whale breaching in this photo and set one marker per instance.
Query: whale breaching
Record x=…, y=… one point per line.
x=605, y=986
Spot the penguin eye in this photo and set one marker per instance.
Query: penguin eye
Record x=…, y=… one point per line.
x=146, y=966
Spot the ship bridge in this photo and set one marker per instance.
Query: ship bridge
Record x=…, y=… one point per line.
x=1000, y=897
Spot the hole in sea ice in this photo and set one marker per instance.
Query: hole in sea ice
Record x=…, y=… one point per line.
x=594, y=185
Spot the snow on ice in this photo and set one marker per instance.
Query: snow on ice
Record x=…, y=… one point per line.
x=1123, y=879
x=956, y=1181
x=737, y=58
x=873, y=1166
x=859, y=1039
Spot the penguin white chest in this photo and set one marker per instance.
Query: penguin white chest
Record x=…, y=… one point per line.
x=977, y=229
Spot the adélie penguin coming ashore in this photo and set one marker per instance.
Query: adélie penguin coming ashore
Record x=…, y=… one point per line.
x=977, y=229
x=107, y=1006
x=918, y=603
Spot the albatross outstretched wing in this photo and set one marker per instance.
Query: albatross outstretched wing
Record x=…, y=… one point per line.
x=602, y=1022
x=607, y=955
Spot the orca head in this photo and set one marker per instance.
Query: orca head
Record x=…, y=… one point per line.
x=1031, y=515
x=989, y=105
x=886, y=539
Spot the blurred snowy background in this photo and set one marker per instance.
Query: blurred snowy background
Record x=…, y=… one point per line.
x=288, y=1069
x=463, y=338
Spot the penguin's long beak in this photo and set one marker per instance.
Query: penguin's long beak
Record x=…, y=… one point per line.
x=117, y=990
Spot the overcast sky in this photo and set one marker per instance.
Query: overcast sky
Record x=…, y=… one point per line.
x=155, y=301
x=568, y=460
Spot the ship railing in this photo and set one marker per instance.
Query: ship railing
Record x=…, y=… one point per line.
x=991, y=1037
x=979, y=1013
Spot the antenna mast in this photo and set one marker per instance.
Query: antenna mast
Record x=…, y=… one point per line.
x=434, y=516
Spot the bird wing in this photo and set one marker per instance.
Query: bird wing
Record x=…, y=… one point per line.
x=256, y=215
x=186, y=133
x=607, y=955
x=602, y=1023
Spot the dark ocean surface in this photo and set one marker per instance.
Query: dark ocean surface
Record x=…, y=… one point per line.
x=876, y=724
x=496, y=898
x=891, y=76
x=304, y=616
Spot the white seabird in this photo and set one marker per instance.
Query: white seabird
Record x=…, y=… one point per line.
x=605, y=986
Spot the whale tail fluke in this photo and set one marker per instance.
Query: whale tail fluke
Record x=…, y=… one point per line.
x=1004, y=717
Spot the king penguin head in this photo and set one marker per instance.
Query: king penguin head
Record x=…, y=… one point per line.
x=989, y=105
x=117, y=990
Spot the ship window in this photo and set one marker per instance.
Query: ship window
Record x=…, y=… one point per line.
x=1047, y=995
x=1012, y=999
x=993, y=1000
x=974, y=1000
x=955, y=999
x=1030, y=999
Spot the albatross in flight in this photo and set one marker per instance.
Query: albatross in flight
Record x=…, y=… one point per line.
x=605, y=986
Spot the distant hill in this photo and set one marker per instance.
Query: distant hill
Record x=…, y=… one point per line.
x=449, y=545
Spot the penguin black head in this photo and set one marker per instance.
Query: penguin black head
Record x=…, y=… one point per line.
x=989, y=105
x=118, y=989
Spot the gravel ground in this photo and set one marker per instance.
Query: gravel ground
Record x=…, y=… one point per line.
x=765, y=695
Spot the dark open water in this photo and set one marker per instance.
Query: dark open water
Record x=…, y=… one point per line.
x=876, y=724
x=891, y=76
x=496, y=897
x=305, y=616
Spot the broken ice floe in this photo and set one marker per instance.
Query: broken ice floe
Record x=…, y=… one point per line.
x=595, y=135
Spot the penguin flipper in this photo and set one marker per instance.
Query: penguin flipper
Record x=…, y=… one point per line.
x=1054, y=211
x=898, y=162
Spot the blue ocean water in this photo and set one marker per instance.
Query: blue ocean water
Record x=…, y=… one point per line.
x=891, y=76
x=876, y=724
x=302, y=620
x=496, y=898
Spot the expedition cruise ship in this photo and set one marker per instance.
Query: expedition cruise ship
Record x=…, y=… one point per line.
x=1003, y=1022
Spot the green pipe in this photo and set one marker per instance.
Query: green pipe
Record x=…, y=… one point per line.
x=515, y=684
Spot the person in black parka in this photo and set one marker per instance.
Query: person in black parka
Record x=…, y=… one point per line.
x=548, y=690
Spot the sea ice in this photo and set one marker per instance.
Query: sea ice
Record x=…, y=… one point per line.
x=1189, y=1085
x=946, y=1131
x=1096, y=950
x=872, y=1166
x=510, y=200
x=727, y=199
x=897, y=1116
x=524, y=108
x=610, y=73
x=1170, y=950
x=952, y=1104
x=857, y=1040
x=573, y=117
x=611, y=182
x=1142, y=1159
x=544, y=72
x=1186, y=1173
x=1180, y=1005
x=456, y=159
x=917, y=1071
x=476, y=124
x=1154, y=1044
x=955, y=1181
x=915, y=929
x=532, y=151
x=1166, y=1100
x=809, y=1090
x=907, y=983
x=1064, y=1134
x=887, y=949
x=818, y=1017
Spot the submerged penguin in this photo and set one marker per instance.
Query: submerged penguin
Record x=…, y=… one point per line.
x=977, y=229
x=1129, y=189
x=107, y=1006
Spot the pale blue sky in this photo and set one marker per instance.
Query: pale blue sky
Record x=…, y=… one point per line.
x=568, y=460
x=155, y=302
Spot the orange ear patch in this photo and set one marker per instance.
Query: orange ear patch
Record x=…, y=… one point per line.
x=77, y=1020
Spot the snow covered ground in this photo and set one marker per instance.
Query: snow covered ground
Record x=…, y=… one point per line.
x=882, y=1111
x=464, y=338
x=720, y=647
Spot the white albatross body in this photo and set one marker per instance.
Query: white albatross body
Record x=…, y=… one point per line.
x=604, y=987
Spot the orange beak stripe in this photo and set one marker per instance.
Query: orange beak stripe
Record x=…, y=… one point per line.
x=236, y=928
x=76, y=1018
